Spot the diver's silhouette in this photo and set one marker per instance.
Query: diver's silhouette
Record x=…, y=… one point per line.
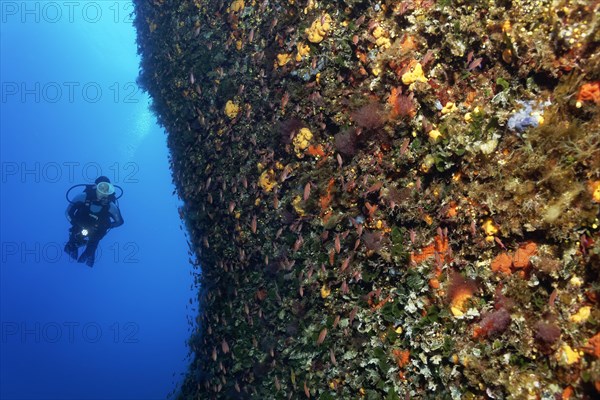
x=91, y=214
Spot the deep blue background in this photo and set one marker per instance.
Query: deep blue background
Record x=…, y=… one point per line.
x=70, y=110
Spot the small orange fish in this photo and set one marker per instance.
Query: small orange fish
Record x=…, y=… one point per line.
x=322, y=336
x=499, y=242
x=298, y=243
x=225, y=346
x=284, y=100
x=353, y=314
x=306, y=191
x=359, y=229
x=284, y=174
x=336, y=321
x=552, y=298
x=253, y=224
x=345, y=289
x=474, y=64
x=370, y=208
x=375, y=187
x=336, y=242
x=345, y=264
x=306, y=391
x=412, y=235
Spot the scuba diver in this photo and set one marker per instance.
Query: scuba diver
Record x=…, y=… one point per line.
x=92, y=214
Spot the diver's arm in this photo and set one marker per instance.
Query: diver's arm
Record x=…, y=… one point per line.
x=115, y=213
x=70, y=211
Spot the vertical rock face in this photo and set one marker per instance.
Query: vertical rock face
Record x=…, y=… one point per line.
x=386, y=199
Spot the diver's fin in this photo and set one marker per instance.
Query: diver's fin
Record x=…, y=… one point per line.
x=72, y=250
x=90, y=261
x=87, y=258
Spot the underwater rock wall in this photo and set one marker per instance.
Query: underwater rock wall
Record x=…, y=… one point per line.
x=387, y=199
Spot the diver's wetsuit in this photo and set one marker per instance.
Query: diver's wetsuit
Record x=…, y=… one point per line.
x=86, y=211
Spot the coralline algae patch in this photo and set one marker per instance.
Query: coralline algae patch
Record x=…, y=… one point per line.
x=387, y=199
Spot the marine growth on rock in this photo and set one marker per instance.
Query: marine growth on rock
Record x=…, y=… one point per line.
x=385, y=199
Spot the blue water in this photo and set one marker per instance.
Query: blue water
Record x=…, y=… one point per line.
x=70, y=110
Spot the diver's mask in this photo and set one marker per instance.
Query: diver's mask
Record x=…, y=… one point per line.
x=103, y=190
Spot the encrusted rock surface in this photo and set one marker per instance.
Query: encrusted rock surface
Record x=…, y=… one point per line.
x=386, y=200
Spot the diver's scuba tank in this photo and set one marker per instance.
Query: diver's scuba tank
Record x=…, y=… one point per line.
x=114, y=198
x=88, y=222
